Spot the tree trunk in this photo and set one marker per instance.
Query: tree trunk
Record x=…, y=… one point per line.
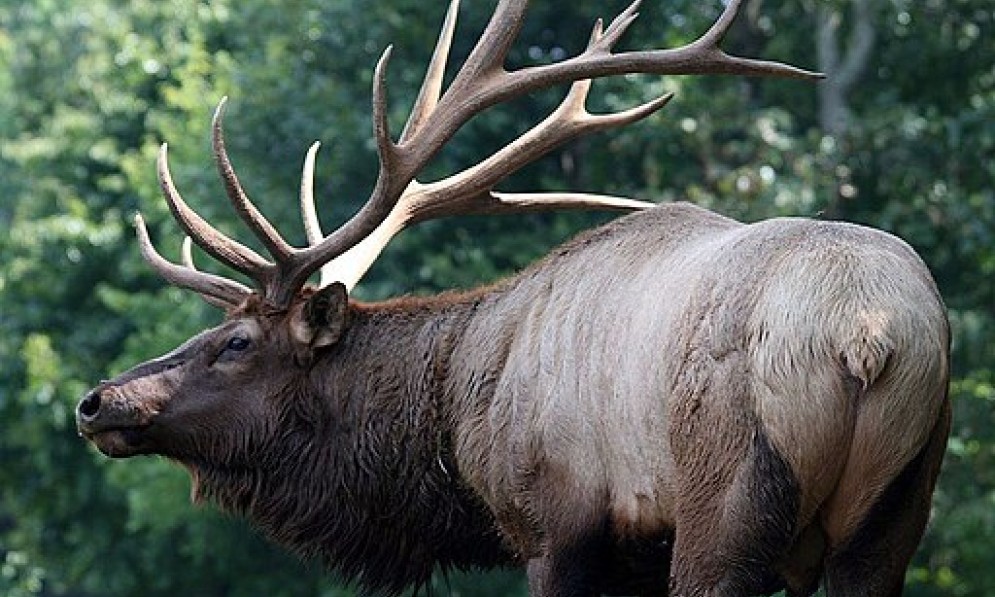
x=843, y=67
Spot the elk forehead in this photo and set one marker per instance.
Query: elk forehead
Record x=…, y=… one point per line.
x=240, y=332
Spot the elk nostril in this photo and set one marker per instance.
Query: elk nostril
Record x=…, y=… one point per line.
x=89, y=406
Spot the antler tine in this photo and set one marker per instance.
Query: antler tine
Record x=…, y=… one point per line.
x=491, y=50
x=617, y=27
x=222, y=248
x=721, y=26
x=400, y=162
x=186, y=256
x=186, y=253
x=263, y=230
x=217, y=290
x=541, y=202
x=312, y=227
x=431, y=89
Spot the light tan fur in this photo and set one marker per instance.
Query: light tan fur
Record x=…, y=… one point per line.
x=828, y=337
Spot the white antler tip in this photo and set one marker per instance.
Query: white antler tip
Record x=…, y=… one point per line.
x=222, y=104
x=186, y=252
x=385, y=56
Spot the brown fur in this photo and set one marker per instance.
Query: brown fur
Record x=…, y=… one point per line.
x=674, y=399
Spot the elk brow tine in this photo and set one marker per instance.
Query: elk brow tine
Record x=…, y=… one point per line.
x=249, y=213
x=490, y=202
x=217, y=290
x=224, y=249
x=500, y=203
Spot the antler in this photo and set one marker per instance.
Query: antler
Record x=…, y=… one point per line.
x=398, y=200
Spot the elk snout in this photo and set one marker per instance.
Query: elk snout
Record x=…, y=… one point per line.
x=105, y=408
x=115, y=425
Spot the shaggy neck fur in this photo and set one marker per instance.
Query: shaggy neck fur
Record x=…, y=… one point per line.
x=357, y=470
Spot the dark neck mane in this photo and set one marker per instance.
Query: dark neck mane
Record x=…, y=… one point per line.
x=358, y=471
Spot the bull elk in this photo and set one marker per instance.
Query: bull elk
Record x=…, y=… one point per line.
x=674, y=403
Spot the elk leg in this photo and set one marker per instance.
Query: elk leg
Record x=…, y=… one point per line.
x=564, y=573
x=873, y=561
x=574, y=546
x=728, y=542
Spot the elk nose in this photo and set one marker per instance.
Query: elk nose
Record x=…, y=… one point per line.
x=89, y=407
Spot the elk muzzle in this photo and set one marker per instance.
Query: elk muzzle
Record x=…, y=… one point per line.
x=116, y=425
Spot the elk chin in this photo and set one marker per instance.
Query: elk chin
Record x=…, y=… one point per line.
x=123, y=442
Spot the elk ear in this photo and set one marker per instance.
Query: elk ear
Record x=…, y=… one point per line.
x=322, y=319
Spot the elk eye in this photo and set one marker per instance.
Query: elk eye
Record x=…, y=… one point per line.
x=238, y=343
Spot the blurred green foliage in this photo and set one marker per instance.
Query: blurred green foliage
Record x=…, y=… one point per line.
x=88, y=89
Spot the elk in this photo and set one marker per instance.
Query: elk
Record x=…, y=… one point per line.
x=675, y=403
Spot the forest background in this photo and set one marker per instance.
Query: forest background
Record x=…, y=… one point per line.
x=901, y=136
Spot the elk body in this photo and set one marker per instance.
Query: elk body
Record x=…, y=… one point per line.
x=674, y=403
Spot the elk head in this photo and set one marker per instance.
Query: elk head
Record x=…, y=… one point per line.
x=220, y=383
x=212, y=394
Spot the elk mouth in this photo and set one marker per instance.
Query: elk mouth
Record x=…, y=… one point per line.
x=119, y=442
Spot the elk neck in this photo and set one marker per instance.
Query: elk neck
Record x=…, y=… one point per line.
x=359, y=470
